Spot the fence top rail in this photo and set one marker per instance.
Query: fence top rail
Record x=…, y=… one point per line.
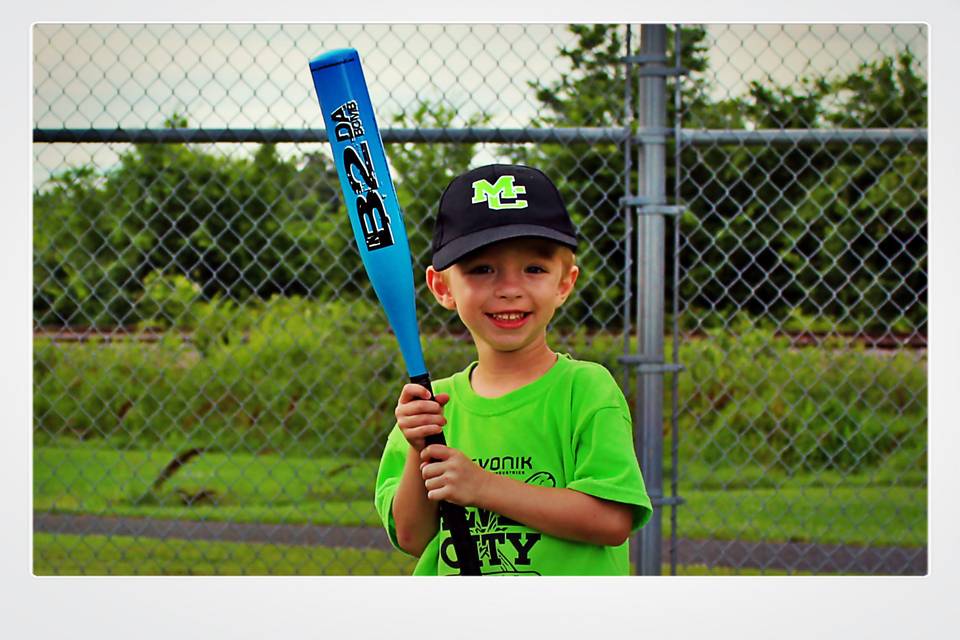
x=807, y=136
x=593, y=135
x=389, y=135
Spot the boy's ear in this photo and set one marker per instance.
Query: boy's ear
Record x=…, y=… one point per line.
x=440, y=289
x=565, y=288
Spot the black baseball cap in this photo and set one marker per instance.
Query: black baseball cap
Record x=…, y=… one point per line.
x=498, y=202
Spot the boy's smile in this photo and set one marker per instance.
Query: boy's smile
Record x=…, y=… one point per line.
x=509, y=319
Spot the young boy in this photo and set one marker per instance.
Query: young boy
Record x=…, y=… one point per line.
x=540, y=447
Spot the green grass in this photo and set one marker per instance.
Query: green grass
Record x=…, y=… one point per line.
x=338, y=491
x=875, y=516
x=121, y=555
x=57, y=555
x=245, y=488
x=777, y=444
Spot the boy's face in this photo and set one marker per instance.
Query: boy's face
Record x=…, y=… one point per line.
x=506, y=293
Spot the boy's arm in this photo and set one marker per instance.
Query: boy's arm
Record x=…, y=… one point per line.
x=416, y=517
x=564, y=513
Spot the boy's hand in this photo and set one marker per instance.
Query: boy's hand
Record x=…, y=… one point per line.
x=451, y=476
x=418, y=416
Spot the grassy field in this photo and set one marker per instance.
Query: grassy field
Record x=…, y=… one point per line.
x=83, y=479
x=777, y=443
x=59, y=555
x=128, y=556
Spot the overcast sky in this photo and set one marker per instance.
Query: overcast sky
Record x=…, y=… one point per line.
x=248, y=75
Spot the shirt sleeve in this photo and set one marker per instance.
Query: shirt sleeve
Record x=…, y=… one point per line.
x=605, y=462
x=388, y=479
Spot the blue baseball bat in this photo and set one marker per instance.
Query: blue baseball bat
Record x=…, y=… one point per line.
x=380, y=232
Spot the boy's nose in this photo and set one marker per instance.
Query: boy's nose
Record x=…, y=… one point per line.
x=509, y=293
x=508, y=285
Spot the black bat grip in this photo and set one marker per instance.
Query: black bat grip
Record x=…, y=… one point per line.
x=452, y=514
x=424, y=381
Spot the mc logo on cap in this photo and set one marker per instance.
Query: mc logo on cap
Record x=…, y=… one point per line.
x=504, y=188
x=522, y=201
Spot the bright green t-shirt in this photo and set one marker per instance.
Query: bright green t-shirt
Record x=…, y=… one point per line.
x=570, y=428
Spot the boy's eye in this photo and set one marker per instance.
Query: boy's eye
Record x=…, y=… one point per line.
x=482, y=269
x=479, y=269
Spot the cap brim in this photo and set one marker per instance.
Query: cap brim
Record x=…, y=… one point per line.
x=460, y=247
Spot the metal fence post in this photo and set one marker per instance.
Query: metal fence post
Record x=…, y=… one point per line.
x=651, y=170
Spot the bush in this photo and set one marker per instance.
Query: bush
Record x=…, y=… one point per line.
x=322, y=379
x=754, y=399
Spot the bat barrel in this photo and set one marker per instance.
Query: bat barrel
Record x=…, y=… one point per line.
x=371, y=199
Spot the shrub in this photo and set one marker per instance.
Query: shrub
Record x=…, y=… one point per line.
x=322, y=378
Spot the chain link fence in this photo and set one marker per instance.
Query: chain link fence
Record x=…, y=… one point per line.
x=802, y=280
x=213, y=381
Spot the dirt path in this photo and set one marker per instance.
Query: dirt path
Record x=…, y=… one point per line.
x=821, y=558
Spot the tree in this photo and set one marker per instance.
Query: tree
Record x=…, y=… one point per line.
x=242, y=228
x=770, y=230
x=591, y=176
x=832, y=231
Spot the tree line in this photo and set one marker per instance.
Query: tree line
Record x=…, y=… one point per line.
x=833, y=231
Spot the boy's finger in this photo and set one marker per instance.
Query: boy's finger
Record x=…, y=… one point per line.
x=430, y=470
x=419, y=433
x=421, y=420
x=443, y=398
x=406, y=393
x=412, y=391
x=417, y=407
x=435, y=452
